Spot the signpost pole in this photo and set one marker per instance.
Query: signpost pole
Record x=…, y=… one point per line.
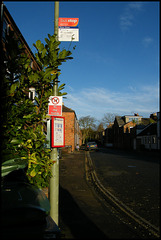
x=54, y=180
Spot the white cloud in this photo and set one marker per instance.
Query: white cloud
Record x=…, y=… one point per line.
x=135, y=5
x=127, y=18
x=98, y=101
x=126, y=21
x=147, y=41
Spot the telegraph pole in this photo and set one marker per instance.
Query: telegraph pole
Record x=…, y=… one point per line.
x=54, y=180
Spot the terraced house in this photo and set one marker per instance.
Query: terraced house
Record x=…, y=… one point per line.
x=134, y=132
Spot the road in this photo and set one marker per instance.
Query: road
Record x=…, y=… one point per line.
x=82, y=213
x=133, y=178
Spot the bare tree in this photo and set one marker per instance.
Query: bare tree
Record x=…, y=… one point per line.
x=108, y=118
x=87, y=125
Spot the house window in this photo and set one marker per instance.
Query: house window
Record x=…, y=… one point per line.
x=32, y=93
x=146, y=140
x=5, y=29
x=31, y=63
x=133, y=119
x=149, y=140
x=153, y=139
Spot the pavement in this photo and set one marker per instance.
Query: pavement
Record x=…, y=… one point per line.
x=75, y=198
x=81, y=213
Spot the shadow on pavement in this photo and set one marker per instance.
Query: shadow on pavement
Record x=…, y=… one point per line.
x=78, y=223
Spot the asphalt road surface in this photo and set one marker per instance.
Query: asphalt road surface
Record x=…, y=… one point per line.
x=83, y=214
x=133, y=178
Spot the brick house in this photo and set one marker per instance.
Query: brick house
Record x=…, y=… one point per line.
x=122, y=130
x=126, y=129
x=147, y=138
x=109, y=136
x=8, y=24
x=72, y=130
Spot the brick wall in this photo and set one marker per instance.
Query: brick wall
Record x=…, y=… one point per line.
x=69, y=129
x=72, y=132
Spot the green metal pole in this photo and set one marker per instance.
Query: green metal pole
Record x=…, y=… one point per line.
x=54, y=180
x=56, y=19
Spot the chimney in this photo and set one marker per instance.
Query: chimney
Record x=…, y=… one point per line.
x=153, y=116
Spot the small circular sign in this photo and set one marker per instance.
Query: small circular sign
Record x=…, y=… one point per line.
x=55, y=100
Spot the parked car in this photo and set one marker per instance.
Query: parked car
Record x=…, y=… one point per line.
x=83, y=147
x=25, y=209
x=91, y=146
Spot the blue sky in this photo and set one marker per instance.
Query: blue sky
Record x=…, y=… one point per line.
x=115, y=66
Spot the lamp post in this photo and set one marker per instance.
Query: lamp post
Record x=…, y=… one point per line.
x=54, y=180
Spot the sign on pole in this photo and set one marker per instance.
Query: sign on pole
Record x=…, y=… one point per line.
x=68, y=22
x=68, y=34
x=57, y=132
x=68, y=29
x=55, y=106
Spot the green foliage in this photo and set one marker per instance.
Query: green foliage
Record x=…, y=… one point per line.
x=60, y=88
x=11, y=165
x=22, y=120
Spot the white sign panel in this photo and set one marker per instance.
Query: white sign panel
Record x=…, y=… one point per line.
x=68, y=34
x=58, y=132
x=55, y=100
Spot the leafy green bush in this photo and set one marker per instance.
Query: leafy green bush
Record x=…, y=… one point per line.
x=23, y=121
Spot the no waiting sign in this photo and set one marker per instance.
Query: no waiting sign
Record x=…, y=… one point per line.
x=55, y=106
